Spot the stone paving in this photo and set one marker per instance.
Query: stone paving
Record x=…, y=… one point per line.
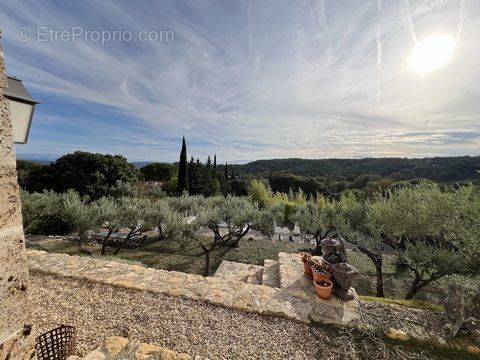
x=247, y=273
x=295, y=300
x=119, y=348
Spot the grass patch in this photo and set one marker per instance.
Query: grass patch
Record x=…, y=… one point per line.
x=169, y=255
x=415, y=304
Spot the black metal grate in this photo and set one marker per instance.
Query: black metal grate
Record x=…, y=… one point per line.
x=57, y=344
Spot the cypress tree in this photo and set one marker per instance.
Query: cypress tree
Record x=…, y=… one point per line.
x=214, y=161
x=182, y=184
x=209, y=162
x=191, y=175
x=226, y=171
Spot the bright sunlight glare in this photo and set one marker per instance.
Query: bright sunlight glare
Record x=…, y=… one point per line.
x=431, y=53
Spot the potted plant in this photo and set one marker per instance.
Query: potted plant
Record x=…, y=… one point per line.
x=324, y=288
x=320, y=271
x=307, y=264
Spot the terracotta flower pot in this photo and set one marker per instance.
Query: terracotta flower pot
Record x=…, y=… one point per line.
x=307, y=269
x=323, y=289
x=317, y=275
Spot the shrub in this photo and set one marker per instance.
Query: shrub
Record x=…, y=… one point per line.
x=158, y=171
x=86, y=173
x=44, y=213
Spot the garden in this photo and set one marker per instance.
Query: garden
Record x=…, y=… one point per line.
x=411, y=246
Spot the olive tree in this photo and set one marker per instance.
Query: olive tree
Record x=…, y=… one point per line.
x=316, y=218
x=84, y=217
x=139, y=216
x=110, y=215
x=351, y=221
x=43, y=213
x=427, y=226
x=238, y=214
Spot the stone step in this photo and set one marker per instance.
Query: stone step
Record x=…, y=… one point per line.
x=290, y=270
x=233, y=271
x=270, y=273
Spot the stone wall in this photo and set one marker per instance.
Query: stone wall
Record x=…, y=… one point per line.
x=15, y=330
x=296, y=299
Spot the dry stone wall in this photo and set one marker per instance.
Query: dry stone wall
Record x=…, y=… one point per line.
x=15, y=330
x=296, y=301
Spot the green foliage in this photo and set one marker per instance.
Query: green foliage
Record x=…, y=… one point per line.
x=315, y=216
x=158, y=171
x=443, y=169
x=412, y=212
x=435, y=232
x=182, y=178
x=88, y=174
x=283, y=206
x=238, y=187
x=204, y=179
x=260, y=193
x=433, y=262
x=83, y=216
x=123, y=189
x=284, y=182
x=43, y=213
x=25, y=168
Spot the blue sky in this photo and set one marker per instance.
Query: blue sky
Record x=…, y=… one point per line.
x=247, y=79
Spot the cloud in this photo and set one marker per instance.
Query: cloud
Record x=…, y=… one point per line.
x=259, y=79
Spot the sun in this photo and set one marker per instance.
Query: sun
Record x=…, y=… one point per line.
x=431, y=53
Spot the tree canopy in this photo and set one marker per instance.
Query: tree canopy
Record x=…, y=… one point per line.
x=86, y=173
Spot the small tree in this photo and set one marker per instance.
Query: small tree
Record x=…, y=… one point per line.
x=426, y=226
x=316, y=219
x=138, y=216
x=84, y=217
x=430, y=263
x=239, y=217
x=350, y=218
x=110, y=215
x=260, y=193
x=238, y=214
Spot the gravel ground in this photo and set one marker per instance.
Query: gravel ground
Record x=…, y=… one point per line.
x=196, y=328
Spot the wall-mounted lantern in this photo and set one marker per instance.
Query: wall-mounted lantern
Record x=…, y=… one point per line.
x=22, y=106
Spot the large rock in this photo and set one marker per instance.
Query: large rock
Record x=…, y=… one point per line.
x=299, y=292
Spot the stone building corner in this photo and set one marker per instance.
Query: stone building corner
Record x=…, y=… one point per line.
x=16, y=335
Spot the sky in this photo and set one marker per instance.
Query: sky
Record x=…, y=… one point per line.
x=244, y=79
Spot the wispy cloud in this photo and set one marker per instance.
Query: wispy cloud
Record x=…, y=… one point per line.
x=248, y=79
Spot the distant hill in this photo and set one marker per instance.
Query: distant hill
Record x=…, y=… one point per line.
x=445, y=169
x=448, y=169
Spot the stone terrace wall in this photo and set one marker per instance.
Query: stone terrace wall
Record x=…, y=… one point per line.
x=297, y=301
x=15, y=330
